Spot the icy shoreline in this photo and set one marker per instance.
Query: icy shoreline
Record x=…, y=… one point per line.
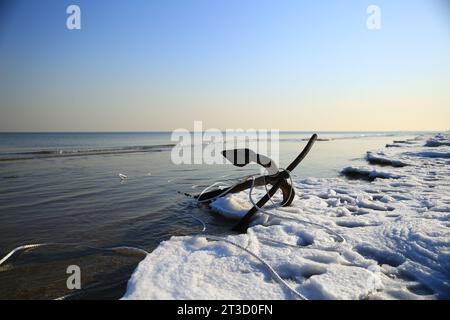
x=397, y=231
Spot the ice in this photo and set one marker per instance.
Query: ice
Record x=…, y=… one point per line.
x=231, y=207
x=432, y=154
x=396, y=227
x=438, y=140
x=384, y=158
x=369, y=172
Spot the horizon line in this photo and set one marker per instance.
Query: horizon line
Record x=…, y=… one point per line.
x=219, y=130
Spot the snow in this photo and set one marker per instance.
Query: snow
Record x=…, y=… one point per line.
x=396, y=228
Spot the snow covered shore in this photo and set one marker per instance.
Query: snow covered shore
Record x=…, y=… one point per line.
x=395, y=218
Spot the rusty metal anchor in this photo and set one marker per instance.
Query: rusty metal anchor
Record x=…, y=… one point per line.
x=278, y=179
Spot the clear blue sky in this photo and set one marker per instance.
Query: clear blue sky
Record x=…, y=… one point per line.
x=161, y=64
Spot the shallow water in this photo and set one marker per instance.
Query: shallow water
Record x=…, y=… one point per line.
x=80, y=199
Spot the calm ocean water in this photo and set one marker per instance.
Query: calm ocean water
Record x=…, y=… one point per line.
x=64, y=188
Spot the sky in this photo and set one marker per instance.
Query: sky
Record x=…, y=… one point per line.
x=156, y=65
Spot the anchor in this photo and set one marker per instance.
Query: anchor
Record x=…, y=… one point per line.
x=278, y=179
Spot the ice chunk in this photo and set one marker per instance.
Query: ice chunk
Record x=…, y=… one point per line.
x=368, y=172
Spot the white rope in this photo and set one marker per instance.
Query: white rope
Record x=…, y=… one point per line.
x=267, y=190
x=94, y=286
x=273, y=273
x=214, y=198
x=20, y=248
x=199, y=220
x=224, y=191
x=36, y=245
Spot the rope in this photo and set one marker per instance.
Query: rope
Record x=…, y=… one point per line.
x=20, y=248
x=214, y=198
x=119, y=249
x=273, y=273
